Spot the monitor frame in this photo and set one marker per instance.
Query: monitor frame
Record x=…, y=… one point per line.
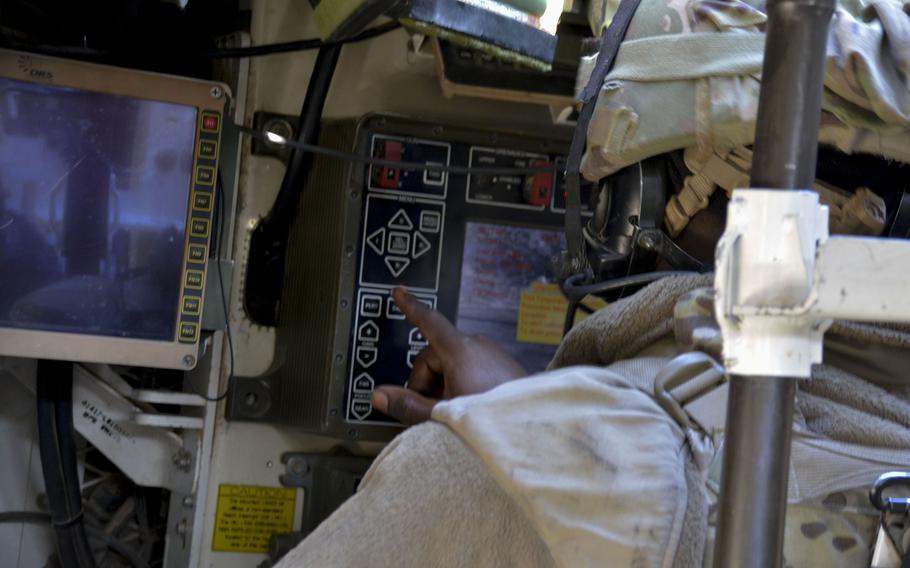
x=209, y=99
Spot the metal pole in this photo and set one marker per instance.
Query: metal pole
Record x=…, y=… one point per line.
x=753, y=500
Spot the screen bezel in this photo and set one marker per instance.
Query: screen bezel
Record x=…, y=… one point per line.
x=208, y=98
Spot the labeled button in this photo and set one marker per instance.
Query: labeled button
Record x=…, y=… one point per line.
x=191, y=306
x=193, y=279
x=208, y=148
x=400, y=220
x=202, y=201
x=371, y=305
x=361, y=408
x=369, y=331
x=412, y=354
x=211, y=122
x=434, y=177
x=376, y=240
x=430, y=221
x=417, y=338
x=189, y=332
x=392, y=311
x=198, y=253
x=363, y=383
x=199, y=227
x=399, y=243
x=205, y=175
x=366, y=356
x=421, y=246
x=396, y=264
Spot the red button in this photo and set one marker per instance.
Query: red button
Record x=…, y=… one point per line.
x=210, y=122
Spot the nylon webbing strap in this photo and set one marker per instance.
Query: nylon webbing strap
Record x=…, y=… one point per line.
x=609, y=47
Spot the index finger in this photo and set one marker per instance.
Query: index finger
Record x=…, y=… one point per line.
x=434, y=326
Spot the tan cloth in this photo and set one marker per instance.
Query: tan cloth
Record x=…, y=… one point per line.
x=528, y=474
x=688, y=72
x=427, y=500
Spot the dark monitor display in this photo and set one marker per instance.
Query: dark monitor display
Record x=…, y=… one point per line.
x=508, y=291
x=93, y=210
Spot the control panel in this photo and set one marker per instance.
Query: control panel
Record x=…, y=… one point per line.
x=418, y=230
x=473, y=237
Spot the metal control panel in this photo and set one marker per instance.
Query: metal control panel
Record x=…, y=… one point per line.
x=471, y=245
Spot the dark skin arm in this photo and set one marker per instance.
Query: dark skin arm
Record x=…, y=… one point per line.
x=454, y=364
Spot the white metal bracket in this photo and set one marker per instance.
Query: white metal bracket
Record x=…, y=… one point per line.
x=781, y=280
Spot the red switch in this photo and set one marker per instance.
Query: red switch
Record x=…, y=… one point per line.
x=388, y=177
x=538, y=187
x=210, y=122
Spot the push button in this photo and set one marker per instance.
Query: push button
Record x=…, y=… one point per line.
x=193, y=279
x=189, y=331
x=211, y=122
x=208, y=149
x=205, y=175
x=191, y=306
x=371, y=306
x=369, y=331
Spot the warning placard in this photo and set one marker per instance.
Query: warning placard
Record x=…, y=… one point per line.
x=542, y=313
x=247, y=515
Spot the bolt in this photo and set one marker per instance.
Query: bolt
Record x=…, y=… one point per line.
x=333, y=412
x=216, y=92
x=182, y=459
x=181, y=527
x=298, y=466
x=269, y=464
x=339, y=358
x=189, y=360
x=647, y=242
x=188, y=502
x=344, y=304
x=251, y=399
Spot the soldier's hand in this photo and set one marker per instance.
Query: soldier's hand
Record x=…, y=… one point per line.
x=453, y=364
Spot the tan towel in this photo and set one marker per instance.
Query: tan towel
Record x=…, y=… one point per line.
x=861, y=398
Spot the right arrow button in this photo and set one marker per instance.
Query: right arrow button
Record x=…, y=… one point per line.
x=421, y=246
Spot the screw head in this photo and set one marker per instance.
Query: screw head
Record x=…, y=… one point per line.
x=298, y=466
x=647, y=242
x=216, y=92
x=188, y=502
x=250, y=399
x=189, y=360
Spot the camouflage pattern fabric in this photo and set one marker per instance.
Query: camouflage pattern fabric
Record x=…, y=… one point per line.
x=711, y=99
x=833, y=529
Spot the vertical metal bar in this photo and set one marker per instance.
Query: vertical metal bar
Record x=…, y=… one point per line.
x=753, y=500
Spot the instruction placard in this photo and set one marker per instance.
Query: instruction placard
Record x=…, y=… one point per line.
x=248, y=515
x=542, y=313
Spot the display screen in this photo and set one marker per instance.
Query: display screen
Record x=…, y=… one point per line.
x=508, y=291
x=93, y=208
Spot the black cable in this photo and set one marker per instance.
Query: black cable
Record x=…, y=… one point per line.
x=569, y=322
x=575, y=291
x=407, y=166
x=226, y=53
x=30, y=517
x=57, y=446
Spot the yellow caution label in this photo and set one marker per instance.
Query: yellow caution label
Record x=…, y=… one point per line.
x=247, y=515
x=542, y=313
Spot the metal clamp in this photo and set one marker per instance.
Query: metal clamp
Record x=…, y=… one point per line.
x=683, y=380
x=893, y=505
